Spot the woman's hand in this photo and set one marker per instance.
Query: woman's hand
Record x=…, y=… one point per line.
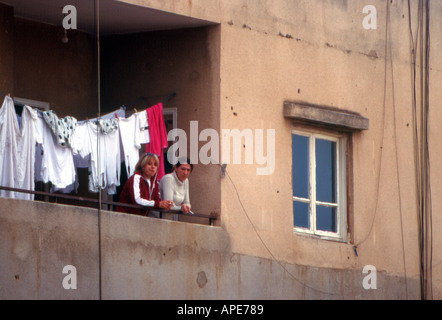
x=185, y=208
x=166, y=204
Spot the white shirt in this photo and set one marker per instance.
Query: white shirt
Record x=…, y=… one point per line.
x=171, y=188
x=17, y=150
x=143, y=127
x=9, y=134
x=130, y=142
x=57, y=163
x=105, y=158
x=137, y=195
x=78, y=137
x=26, y=157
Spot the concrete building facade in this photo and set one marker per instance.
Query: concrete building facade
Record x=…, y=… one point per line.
x=347, y=90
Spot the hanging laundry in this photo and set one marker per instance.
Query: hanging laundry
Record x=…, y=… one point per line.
x=27, y=147
x=108, y=125
x=130, y=142
x=77, y=140
x=104, y=153
x=79, y=135
x=143, y=124
x=62, y=128
x=57, y=162
x=87, y=151
x=17, y=150
x=9, y=135
x=158, y=135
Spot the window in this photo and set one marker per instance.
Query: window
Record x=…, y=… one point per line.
x=319, y=185
x=320, y=166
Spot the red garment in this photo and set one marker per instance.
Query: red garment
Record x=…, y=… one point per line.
x=128, y=196
x=158, y=135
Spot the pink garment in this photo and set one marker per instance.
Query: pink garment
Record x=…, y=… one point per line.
x=158, y=135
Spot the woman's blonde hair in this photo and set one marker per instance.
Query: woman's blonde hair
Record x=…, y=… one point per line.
x=145, y=159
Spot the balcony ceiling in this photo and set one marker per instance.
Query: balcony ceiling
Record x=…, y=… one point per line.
x=116, y=17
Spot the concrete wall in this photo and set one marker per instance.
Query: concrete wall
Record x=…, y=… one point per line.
x=147, y=258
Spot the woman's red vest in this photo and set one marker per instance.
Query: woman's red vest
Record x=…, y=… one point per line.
x=128, y=196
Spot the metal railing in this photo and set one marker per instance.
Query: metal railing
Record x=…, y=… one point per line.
x=210, y=217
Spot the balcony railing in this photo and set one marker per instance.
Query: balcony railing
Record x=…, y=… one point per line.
x=210, y=217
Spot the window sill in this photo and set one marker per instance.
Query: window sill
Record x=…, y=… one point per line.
x=334, y=238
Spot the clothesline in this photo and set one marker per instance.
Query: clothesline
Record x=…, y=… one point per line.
x=5, y=95
x=169, y=96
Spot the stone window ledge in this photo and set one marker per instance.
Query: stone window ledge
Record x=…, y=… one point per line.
x=325, y=116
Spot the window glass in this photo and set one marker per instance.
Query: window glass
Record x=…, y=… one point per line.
x=300, y=171
x=325, y=170
x=301, y=214
x=326, y=218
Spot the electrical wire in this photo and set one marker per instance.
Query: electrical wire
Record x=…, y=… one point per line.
x=267, y=248
x=425, y=193
x=421, y=144
x=426, y=155
x=379, y=173
x=418, y=176
x=421, y=153
x=397, y=157
x=97, y=28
